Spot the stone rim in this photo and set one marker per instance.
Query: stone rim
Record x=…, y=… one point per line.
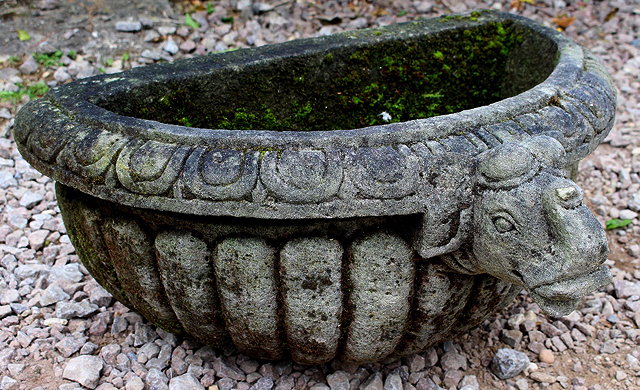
x=92, y=149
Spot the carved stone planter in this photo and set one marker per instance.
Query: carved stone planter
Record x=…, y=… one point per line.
x=359, y=196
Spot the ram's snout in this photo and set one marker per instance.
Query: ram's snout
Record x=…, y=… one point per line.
x=561, y=298
x=580, y=247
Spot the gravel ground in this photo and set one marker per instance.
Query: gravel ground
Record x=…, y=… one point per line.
x=60, y=330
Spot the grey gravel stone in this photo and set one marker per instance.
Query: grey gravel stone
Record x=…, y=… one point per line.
x=84, y=370
x=8, y=383
x=66, y=273
x=7, y=179
x=508, y=363
x=15, y=369
x=393, y=382
x=628, y=214
x=170, y=46
x=469, y=382
x=29, y=66
x=542, y=377
x=134, y=383
x=61, y=75
x=511, y=337
x=453, y=360
x=100, y=296
x=339, y=380
x=152, y=54
x=67, y=310
x=374, y=382
x=263, y=383
x=5, y=310
x=185, y=382
x=88, y=348
x=167, y=30
x=9, y=295
x=128, y=26
x=156, y=379
x=151, y=36
x=70, y=345
x=30, y=199
x=626, y=289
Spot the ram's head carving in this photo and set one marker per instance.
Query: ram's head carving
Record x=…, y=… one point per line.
x=527, y=225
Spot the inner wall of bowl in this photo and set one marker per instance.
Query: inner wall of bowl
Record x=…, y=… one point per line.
x=386, y=82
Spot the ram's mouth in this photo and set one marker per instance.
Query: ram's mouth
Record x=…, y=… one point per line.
x=560, y=298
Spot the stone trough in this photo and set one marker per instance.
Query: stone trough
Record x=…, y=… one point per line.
x=358, y=196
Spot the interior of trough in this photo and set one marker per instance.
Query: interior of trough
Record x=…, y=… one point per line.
x=373, y=82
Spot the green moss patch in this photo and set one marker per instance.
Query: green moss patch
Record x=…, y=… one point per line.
x=375, y=82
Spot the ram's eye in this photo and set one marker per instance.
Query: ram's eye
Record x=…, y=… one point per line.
x=502, y=224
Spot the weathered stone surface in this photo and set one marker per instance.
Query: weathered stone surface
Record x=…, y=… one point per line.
x=187, y=274
x=381, y=274
x=131, y=252
x=373, y=242
x=246, y=281
x=311, y=275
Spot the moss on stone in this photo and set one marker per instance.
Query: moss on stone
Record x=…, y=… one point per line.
x=369, y=83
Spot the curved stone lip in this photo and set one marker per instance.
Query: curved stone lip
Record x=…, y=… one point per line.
x=48, y=132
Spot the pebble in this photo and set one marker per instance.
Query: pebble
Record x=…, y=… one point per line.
x=151, y=54
x=508, y=363
x=67, y=310
x=339, y=380
x=70, y=345
x=185, y=382
x=609, y=347
x=8, y=383
x=264, y=383
x=628, y=214
x=453, y=360
x=167, y=30
x=30, y=199
x=5, y=310
x=546, y=356
x=38, y=238
x=511, y=337
x=7, y=180
x=469, y=382
x=15, y=369
x=9, y=295
x=156, y=379
x=85, y=370
x=393, y=382
x=29, y=66
x=626, y=289
x=128, y=26
x=188, y=46
x=374, y=382
x=135, y=383
x=61, y=75
x=170, y=47
x=542, y=377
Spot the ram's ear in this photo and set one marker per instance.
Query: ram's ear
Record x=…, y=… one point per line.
x=505, y=166
x=441, y=234
x=548, y=151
